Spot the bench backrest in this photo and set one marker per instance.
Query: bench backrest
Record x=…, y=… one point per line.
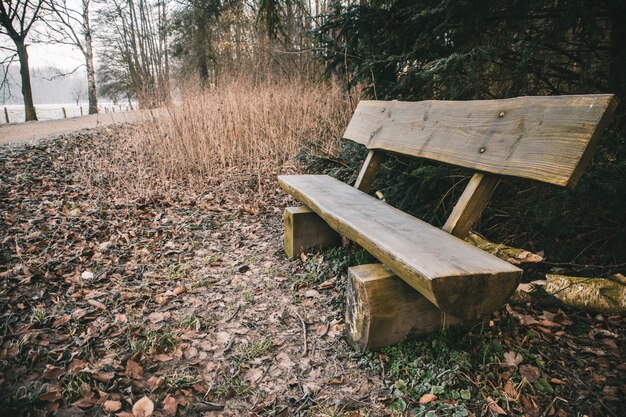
x=548, y=139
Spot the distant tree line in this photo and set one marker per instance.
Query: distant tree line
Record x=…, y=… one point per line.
x=405, y=49
x=139, y=46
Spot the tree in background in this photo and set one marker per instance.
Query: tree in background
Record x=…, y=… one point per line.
x=469, y=49
x=77, y=93
x=258, y=39
x=194, y=25
x=114, y=78
x=16, y=20
x=445, y=49
x=69, y=24
x=134, y=50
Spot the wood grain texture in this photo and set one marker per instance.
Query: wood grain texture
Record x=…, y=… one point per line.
x=452, y=274
x=368, y=170
x=548, y=139
x=304, y=229
x=383, y=310
x=471, y=204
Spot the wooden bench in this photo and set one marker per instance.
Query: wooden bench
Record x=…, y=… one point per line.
x=547, y=139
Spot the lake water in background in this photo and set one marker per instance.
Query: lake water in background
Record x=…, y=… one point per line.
x=55, y=111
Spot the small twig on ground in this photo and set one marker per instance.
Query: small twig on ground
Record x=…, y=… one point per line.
x=305, y=346
x=305, y=401
x=326, y=329
x=605, y=407
x=547, y=410
x=228, y=345
x=232, y=316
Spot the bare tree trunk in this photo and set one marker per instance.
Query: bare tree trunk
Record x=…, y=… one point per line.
x=201, y=41
x=91, y=71
x=27, y=92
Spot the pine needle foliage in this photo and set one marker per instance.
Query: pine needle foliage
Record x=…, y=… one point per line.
x=463, y=50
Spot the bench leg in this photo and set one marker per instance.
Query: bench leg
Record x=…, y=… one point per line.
x=383, y=310
x=304, y=229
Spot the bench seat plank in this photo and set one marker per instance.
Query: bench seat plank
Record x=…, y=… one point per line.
x=457, y=277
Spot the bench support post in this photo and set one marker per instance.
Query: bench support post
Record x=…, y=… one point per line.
x=368, y=170
x=471, y=204
x=383, y=310
x=304, y=229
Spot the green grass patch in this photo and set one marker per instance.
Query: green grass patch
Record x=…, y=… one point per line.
x=333, y=262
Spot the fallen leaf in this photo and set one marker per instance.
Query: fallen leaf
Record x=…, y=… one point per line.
x=103, y=376
x=133, y=369
x=284, y=361
x=162, y=357
x=180, y=290
x=169, y=406
x=105, y=246
x=336, y=381
x=143, y=408
x=61, y=320
x=85, y=402
x=53, y=372
x=121, y=318
x=190, y=352
x=557, y=381
x=427, y=398
x=513, y=358
x=111, y=406
x=530, y=372
x=527, y=320
x=549, y=323
x=97, y=304
x=253, y=375
x=326, y=284
x=52, y=394
x=155, y=382
x=311, y=294
x=158, y=317
x=223, y=338
x=494, y=407
x=510, y=391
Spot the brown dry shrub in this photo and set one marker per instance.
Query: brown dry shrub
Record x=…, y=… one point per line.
x=240, y=128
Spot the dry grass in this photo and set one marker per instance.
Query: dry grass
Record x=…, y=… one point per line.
x=240, y=127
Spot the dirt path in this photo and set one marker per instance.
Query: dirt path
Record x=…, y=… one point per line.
x=23, y=132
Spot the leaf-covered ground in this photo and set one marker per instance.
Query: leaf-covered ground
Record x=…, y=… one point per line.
x=181, y=303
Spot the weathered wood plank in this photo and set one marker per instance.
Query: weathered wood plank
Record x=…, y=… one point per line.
x=471, y=204
x=368, y=170
x=383, y=310
x=457, y=277
x=304, y=229
x=547, y=139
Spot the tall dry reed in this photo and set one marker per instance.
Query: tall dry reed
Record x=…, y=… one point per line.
x=243, y=129
x=243, y=126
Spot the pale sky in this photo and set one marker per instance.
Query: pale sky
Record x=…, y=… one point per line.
x=58, y=56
